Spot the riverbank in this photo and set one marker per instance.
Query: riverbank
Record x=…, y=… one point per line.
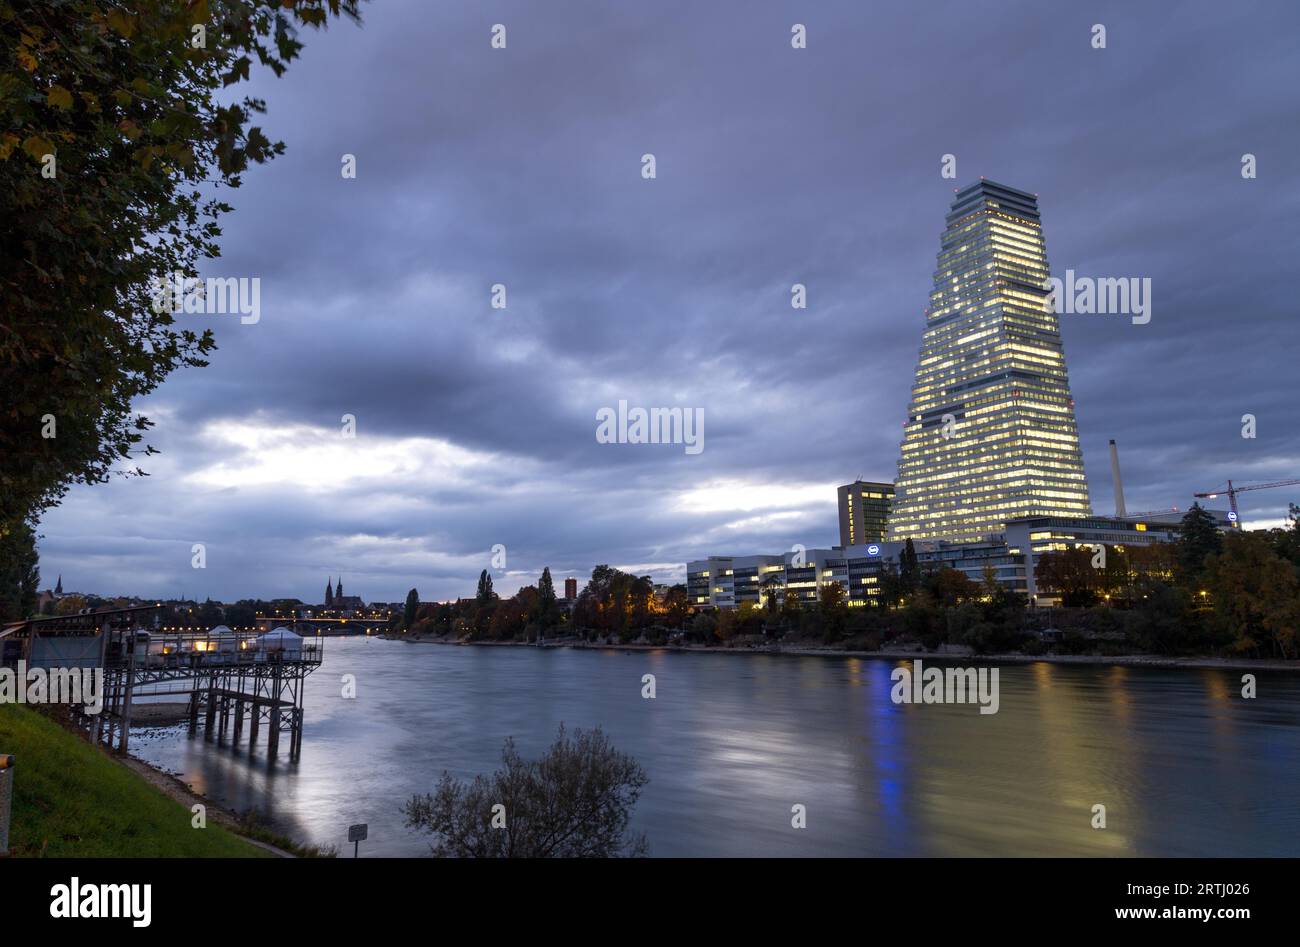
x=944, y=653
x=74, y=800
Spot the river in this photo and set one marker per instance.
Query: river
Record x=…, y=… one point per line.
x=1184, y=765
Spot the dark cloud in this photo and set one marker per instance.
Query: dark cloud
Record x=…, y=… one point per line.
x=820, y=166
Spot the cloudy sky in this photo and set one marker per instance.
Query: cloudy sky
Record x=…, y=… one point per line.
x=476, y=426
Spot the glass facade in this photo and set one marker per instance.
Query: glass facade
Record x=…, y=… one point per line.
x=990, y=434
x=864, y=511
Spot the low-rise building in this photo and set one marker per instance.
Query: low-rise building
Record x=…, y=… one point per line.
x=730, y=581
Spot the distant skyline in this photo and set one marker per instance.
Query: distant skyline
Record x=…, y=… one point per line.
x=476, y=427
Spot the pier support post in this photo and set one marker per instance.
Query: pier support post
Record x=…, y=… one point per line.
x=254, y=721
x=125, y=735
x=210, y=715
x=223, y=716
x=273, y=734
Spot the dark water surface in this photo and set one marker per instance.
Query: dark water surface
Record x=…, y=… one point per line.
x=1183, y=764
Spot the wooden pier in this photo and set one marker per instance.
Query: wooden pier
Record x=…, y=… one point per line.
x=231, y=678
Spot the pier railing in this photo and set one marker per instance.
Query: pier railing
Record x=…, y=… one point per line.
x=184, y=650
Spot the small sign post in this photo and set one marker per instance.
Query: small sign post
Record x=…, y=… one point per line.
x=357, y=835
x=6, y=797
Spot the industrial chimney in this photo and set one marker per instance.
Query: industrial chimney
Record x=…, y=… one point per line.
x=1119, y=483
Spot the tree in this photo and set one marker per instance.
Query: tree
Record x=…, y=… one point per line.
x=748, y=619
x=1198, y=538
x=1287, y=540
x=210, y=614
x=909, y=569
x=677, y=606
x=615, y=603
x=70, y=605
x=704, y=626
x=924, y=621
x=19, y=575
x=510, y=617
x=641, y=604
x=1255, y=594
x=1163, y=621
x=548, y=612
x=242, y=614
x=832, y=609
x=575, y=802
x=1157, y=562
x=484, y=595
x=1070, y=574
x=728, y=624
x=891, y=585
x=412, y=608
x=949, y=586
x=791, y=606
x=444, y=619
x=115, y=128
x=990, y=587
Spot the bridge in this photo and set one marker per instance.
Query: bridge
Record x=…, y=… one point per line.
x=323, y=626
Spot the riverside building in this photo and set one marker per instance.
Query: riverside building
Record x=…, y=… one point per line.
x=730, y=581
x=864, y=511
x=990, y=434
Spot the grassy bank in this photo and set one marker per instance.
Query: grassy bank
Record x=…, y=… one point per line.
x=72, y=800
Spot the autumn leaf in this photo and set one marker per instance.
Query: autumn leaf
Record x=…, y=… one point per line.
x=121, y=22
x=59, y=97
x=38, y=147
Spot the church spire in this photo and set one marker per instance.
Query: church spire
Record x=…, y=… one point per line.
x=329, y=593
x=58, y=586
x=338, y=592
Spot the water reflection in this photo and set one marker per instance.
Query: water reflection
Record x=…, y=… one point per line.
x=1183, y=764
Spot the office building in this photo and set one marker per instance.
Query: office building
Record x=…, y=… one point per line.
x=864, y=511
x=990, y=433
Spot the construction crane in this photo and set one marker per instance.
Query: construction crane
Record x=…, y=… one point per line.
x=1233, y=491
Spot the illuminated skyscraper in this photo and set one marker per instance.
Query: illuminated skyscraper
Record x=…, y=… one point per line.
x=990, y=432
x=864, y=511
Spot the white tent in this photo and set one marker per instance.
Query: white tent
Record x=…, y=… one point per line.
x=281, y=640
x=221, y=638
